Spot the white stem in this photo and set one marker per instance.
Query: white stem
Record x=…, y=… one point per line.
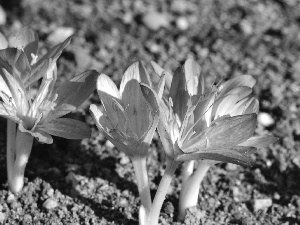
x=23, y=149
x=140, y=169
x=187, y=170
x=10, y=149
x=161, y=192
x=190, y=191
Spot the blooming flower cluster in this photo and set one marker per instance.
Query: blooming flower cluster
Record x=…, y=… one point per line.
x=196, y=121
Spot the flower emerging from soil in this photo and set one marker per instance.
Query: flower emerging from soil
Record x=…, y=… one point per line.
x=128, y=119
x=39, y=114
x=195, y=123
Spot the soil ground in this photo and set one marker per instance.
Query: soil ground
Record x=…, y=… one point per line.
x=90, y=182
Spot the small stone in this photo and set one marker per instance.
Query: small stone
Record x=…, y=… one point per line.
x=2, y=217
x=180, y=6
x=123, y=202
x=27, y=218
x=71, y=179
x=236, y=193
x=265, y=119
x=231, y=167
x=60, y=34
x=11, y=198
x=109, y=145
x=182, y=23
x=2, y=16
x=246, y=27
x=50, y=192
x=124, y=159
x=50, y=204
x=154, y=20
x=259, y=204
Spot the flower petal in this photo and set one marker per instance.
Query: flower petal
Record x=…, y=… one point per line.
x=106, y=85
x=18, y=92
x=66, y=128
x=37, y=72
x=160, y=72
x=54, y=52
x=225, y=132
x=179, y=93
x=153, y=100
x=110, y=98
x=8, y=112
x=244, y=80
x=76, y=90
x=224, y=104
x=26, y=39
x=137, y=110
x=194, y=80
x=237, y=155
x=40, y=135
x=260, y=141
x=137, y=72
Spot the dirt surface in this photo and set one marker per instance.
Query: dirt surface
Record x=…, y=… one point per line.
x=90, y=182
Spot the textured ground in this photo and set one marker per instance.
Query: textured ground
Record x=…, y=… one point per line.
x=90, y=182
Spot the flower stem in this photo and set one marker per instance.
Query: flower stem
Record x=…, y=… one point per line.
x=10, y=149
x=140, y=169
x=187, y=170
x=190, y=190
x=23, y=149
x=162, y=191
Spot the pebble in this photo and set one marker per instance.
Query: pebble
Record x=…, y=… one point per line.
x=123, y=202
x=10, y=198
x=2, y=16
x=109, y=145
x=231, y=167
x=60, y=34
x=124, y=159
x=154, y=20
x=265, y=119
x=2, y=217
x=27, y=218
x=182, y=23
x=180, y=6
x=50, y=204
x=259, y=204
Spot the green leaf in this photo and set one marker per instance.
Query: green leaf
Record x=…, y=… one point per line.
x=66, y=128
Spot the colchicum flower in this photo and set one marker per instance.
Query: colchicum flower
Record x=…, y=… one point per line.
x=38, y=115
x=212, y=124
x=129, y=118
